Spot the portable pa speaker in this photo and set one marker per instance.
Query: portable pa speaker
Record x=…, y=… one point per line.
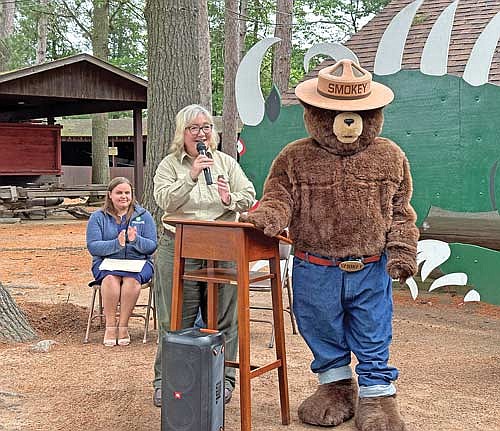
x=193, y=381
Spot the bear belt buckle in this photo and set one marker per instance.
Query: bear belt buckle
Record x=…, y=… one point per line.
x=351, y=265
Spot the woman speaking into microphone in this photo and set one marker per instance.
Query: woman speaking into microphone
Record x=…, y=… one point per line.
x=197, y=182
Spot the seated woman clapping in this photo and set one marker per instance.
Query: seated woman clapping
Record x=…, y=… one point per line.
x=121, y=237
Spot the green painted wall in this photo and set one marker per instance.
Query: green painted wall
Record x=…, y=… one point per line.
x=482, y=267
x=265, y=141
x=448, y=130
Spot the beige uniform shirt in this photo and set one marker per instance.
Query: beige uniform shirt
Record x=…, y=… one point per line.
x=181, y=197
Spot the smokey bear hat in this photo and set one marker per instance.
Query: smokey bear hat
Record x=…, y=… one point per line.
x=345, y=86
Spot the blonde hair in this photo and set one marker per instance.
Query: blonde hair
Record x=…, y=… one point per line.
x=108, y=206
x=183, y=119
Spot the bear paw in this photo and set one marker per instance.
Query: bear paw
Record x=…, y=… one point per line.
x=379, y=414
x=331, y=404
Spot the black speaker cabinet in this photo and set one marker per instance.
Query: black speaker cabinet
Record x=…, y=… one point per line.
x=193, y=381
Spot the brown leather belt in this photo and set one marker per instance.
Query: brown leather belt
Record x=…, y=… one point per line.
x=335, y=261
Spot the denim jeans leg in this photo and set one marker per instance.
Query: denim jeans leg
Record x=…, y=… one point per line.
x=317, y=304
x=368, y=302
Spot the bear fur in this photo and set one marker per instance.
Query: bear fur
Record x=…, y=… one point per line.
x=340, y=198
x=331, y=404
x=378, y=414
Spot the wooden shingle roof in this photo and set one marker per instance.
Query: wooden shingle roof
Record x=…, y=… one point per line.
x=471, y=18
x=80, y=84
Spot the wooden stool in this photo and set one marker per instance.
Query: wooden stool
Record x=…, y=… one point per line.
x=242, y=243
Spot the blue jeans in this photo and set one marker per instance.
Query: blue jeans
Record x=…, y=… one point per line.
x=338, y=313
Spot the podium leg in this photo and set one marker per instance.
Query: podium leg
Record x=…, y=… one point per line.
x=212, y=300
x=279, y=331
x=177, y=285
x=244, y=343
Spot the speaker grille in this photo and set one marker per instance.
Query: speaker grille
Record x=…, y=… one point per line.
x=182, y=375
x=184, y=421
x=192, y=387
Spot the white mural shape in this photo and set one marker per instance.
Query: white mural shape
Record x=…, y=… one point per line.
x=412, y=284
x=434, y=60
x=472, y=296
x=388, y=60
x=478, y=66
x=335, y=50
x=249, y=99
x=454, y=279
x=433, y=253
x=390, y=49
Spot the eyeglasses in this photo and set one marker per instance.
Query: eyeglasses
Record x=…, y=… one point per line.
x=195, y=130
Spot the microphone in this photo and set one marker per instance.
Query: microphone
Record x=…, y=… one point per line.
x=202, y=149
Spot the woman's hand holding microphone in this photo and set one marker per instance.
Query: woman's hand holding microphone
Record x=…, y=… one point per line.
x=201, y=162
x=204, y=162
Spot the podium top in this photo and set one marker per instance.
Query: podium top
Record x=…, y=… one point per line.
x=216, y=223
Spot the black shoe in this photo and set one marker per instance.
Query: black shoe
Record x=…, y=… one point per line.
x=228, y=393
x=157, y=397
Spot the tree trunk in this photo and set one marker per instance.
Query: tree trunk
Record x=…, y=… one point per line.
x=243, y=27
x=41, y=49
x=100, y=155
x=100, y=49
x=14, y=325
x=7, y=12
x=255, y=27
x=173, y=70
x=205, y=60
x=283, y=50
x=231, y=57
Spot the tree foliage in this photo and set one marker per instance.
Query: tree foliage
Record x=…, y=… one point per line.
x=23, y=43
x=313, y=21
x=336, y=18
x=70, y=23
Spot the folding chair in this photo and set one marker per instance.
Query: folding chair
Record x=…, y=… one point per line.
x=98, y=314
x=265, y=286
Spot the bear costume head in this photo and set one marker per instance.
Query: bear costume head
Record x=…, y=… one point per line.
x=343, y=107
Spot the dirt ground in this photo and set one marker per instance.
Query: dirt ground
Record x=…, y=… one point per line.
x=448, y=353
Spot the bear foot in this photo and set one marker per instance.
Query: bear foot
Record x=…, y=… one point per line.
x=379, y=414
x=331, y=404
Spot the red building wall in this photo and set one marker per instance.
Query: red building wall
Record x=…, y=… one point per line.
x=30, y=149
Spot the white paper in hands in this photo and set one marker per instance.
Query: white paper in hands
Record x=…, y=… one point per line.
x=130, y=265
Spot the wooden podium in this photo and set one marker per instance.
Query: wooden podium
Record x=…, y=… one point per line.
x=243, y=243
